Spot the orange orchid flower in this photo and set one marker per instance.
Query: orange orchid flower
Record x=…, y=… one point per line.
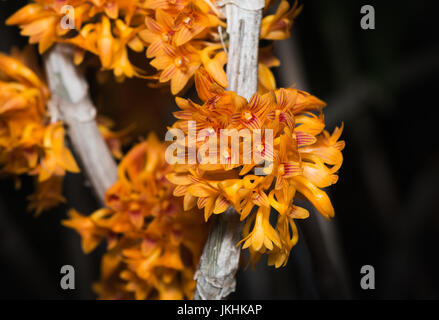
x=193, y=20
x=178, y=66
x=90, y=233
x=277, y=26
x=58, y=158
x=158, y=33
x=48, y=194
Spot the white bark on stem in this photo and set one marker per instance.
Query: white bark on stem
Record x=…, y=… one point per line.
x=243, y=27
x=71, y=103
x=220, y=259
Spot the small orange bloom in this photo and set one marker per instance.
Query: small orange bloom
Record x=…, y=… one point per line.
x=277, y=26
x=178, y=66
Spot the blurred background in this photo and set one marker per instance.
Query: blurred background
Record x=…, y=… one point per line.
x=381, y=83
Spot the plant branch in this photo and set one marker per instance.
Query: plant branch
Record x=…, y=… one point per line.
x=220, y=259
x=71, y=103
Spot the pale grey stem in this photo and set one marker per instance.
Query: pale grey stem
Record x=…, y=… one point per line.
x=71, y=103
x=220, y=259
x=243, y=27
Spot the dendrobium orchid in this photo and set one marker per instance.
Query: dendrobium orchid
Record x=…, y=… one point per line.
x=304, y=159
x=155, y=219
x=153, y=245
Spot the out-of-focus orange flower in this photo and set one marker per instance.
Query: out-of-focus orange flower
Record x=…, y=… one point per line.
x=29, y=144
x=303, y=158
x=90, y=233
x=277, y=26
x=266, y=80
x=57, y=159
x=153, y=245
x=48, y=194
x=274, y=27
x=115, y=139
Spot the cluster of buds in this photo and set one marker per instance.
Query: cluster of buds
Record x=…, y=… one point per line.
x=302, y=158
x=153, y=245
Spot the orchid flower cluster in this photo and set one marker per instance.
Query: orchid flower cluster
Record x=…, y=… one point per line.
x=153, y=221
x=175, y=33
x=304, y=158
x=177, y=36
x=29, y=143
x=153, y=244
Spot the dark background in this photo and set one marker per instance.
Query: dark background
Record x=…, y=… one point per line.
x=383, y=84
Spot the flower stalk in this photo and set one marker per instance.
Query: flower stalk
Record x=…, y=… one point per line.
x=220, y=259
x=71, y=103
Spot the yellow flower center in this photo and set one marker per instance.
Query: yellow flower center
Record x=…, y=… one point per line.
x=187, y=21
x=248, y=116
x=134, y=196
x=165, y=37
x=178, y=61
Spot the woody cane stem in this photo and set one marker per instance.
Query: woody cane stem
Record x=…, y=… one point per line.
x=220, y=259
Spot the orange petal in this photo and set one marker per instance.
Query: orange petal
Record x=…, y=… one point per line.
x=317, y=197
x=179, y=81
x=221, y=205
x=26, y=14
x=201, y=190
x=168, y=73
x=304, y=138
x=299, y=212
